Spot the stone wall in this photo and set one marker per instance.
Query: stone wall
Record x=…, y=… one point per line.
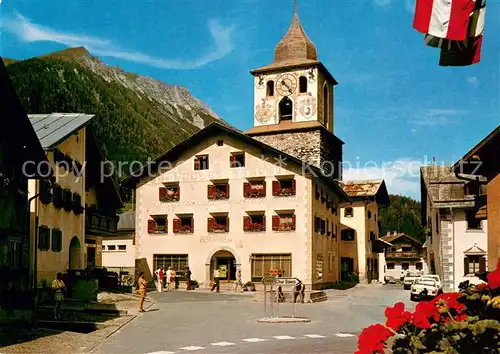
x=305, y=146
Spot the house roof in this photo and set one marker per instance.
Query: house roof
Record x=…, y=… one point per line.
x=218, y=128
x=15, y=128
x=54, y=128
x=363, y=189
x=443, y=188
x=486, y=152
x=390, y=238
x=126, y=221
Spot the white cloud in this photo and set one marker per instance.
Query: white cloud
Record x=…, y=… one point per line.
x=31, y=32
x=401, y=176
x=473, y=80
x=431, y=121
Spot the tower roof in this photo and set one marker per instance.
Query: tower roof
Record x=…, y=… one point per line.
x=295, y=47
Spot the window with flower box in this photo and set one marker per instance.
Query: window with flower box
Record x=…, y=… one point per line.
x=254, y=223
x=184, y=225
x=218, y=224
x=237, y=159
x=158, y=225
x=284, y=187
x=284, y=222
x=254, y=189
x=201, y=162
x=170, y=193
x=218, y=191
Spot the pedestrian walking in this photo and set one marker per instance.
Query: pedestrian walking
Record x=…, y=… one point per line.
x=142, y=291
x=216, y=284
x=299, y=291
x=160, y=274
x=59, y=288
x=238, y=283
x=188, y=279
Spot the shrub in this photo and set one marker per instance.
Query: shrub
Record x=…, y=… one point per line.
x=467, y=322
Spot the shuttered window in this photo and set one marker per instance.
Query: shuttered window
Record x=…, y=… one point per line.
x=263, y=263
x=43, y=238
x=56, y=240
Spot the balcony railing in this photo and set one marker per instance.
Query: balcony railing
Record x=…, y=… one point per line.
x=392, y=254
x=97, y=224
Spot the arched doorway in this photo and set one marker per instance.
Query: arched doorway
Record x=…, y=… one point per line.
x=227, y=264
x=75, y=254
x=286, y=109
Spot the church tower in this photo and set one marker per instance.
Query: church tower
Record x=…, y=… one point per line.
x=294, y=103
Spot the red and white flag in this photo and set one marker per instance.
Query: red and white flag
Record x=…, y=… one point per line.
x=448, y=19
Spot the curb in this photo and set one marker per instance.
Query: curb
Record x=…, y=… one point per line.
x=284, y=320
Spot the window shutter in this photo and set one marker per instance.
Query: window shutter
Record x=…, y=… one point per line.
x=196, y=164
x=192, y=225
x=227, y=224
x=227, y=190
x=162, y=193
x=176, y=226
x=482, y=265
x=466, y=266
x=246, y=189
x=276, y=187
x=210, y=224
x=293, y=222
x=211, y=191
x=294, y=186
x=54, y=240
x=276, y=222
x=232, y=161
x=247, y=220
x=151, y=226
x=179, y=192
x=264, y=223
x=316, y=224
x=264, y=187
x=166, y=225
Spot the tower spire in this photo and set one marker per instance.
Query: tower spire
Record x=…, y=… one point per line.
x=296, y=6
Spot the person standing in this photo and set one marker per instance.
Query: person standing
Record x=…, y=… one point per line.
x=160, y=274
x=216, y=280
x=238, y=283
x=169, y=278
x=188, y=279
x=300, y=290
x=142, y=291
x=59, y=287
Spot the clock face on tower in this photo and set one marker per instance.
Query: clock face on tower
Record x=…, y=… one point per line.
x=286, y=84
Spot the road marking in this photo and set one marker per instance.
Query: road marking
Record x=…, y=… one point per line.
x=162, y=353
x=314, y=336
x=283, y=337
x=222, y=344
x=254, y=340
x=344, y=335
x=191, y=348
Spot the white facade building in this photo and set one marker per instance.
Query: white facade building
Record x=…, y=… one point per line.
x=456, y=239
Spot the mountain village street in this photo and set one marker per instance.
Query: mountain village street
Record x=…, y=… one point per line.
x=182, y=322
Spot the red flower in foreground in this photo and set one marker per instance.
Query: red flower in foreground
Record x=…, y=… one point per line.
x=450, y=301
x=372, y=339
x=397, y=316
x=482, y=286
x=494, y=277
x=424, y=311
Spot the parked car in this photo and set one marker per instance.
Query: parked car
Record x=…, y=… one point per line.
x=437, y=279
x=424, y=288
x=389, y=279
x=409, y=280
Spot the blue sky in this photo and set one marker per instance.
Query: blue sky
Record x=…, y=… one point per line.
x=394, y=104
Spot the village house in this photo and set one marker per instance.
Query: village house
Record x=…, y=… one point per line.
x=480, y=168
x=118, y=251
x=405, y=255
x=457, y=242
x=20, y=154
x=266, y=200
x=59, y=222
x=361, y=248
